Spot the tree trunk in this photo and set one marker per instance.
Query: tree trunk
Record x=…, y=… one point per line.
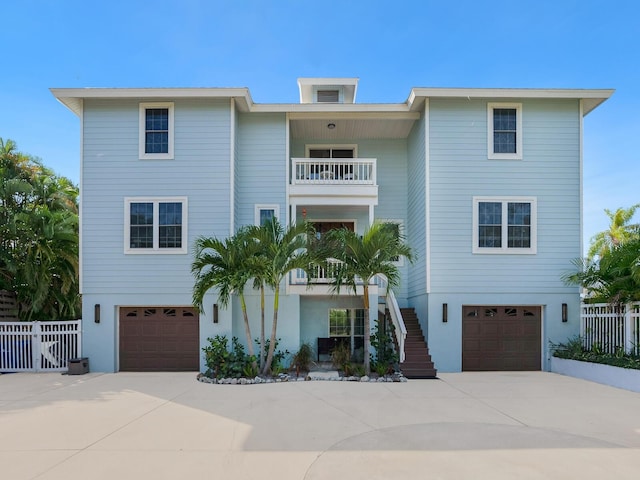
x=272, y=341
x=367, y=332
x=247, y=328
x=262, y=327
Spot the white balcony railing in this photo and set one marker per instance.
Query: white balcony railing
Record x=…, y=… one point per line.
x=326, y=171
x=321, y=275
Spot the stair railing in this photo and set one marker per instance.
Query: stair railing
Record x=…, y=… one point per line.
x=400, y=329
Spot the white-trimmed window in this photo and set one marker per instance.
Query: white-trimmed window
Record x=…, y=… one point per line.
x=155, y=225
x=505, y=225
x=346, y=322
x=504, y=122
x=264, y=213
x=332, y=151
x=156, y=131
x=399, y=261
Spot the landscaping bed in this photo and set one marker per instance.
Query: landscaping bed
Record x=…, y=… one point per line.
x=619, y=369
x=626, y=378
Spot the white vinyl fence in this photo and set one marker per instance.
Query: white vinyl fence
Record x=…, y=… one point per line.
x=39, y=346
x=611, y=327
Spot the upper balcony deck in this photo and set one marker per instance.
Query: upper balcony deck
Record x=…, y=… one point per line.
x=316, y=179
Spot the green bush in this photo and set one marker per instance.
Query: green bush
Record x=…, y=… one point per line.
x=386, y=356
x=303, y=357
x=222, y=363
x=341, y=356
x=278, y=362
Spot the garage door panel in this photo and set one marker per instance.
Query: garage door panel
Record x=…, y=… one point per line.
x=159, y=339
x=501, y=338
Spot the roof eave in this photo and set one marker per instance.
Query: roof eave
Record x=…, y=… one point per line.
x=72, y=97
x=592, y=98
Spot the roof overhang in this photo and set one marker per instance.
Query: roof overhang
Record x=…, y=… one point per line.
x=591, y=98
x=72, y=97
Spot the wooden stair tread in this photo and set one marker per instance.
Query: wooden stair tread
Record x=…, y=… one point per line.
x=418, y=363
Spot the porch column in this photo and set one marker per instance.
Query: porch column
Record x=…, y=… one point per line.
x=371, y=217
x=294, y=215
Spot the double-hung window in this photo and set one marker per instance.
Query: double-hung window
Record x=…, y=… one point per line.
x=156, y=127
x=155, y=225
x=265, y=213
x=504, y=225
x=504, y=139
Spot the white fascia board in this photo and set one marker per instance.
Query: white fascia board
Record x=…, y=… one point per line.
x=328, y=81
x=594, y=97
x=70, y=96
x=333, y=108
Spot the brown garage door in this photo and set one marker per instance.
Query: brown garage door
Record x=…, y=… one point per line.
x=501, y=338
x=159, y=339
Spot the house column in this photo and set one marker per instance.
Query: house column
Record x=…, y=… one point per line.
x=371, y=216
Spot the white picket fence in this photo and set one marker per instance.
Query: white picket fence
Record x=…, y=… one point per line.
x=611, y=327
x=39, y=346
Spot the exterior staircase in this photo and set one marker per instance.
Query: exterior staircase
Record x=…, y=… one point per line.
x=417, y=362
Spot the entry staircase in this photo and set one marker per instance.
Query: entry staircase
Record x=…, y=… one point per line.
x=417, y=362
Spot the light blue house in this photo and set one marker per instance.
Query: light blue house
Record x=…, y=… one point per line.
x=486, y=185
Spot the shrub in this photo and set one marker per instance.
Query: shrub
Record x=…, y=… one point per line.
x=341, y=356
x=383, y=346
x=277, y=364
x=303, y=358
x=222, y=363
x=574, y=349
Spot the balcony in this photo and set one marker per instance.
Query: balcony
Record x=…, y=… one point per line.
x=322, y=282
x=313, y=171
x=350, y=181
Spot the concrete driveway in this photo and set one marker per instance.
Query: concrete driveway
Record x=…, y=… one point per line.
x=462, y=426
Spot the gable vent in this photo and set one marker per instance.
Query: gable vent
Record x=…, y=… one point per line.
x=328, y=96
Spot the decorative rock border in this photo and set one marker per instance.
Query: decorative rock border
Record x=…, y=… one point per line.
x=285, y=378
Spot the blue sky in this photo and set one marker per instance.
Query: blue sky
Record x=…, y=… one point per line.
x=391, y=46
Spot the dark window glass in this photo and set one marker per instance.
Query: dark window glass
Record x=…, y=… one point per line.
x=170, y=225
x=519, y=225
x=157, y=130
x=141, y=225
x=490, y=224
x=504, y=130
x=266, y=215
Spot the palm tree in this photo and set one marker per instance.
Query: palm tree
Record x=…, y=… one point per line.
x=226, y=265
x=618, y=233
x=281, y=250
x=361, y=259
x=614, y=277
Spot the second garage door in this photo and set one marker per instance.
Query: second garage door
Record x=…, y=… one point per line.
x=501, y=338
x=159, y=339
